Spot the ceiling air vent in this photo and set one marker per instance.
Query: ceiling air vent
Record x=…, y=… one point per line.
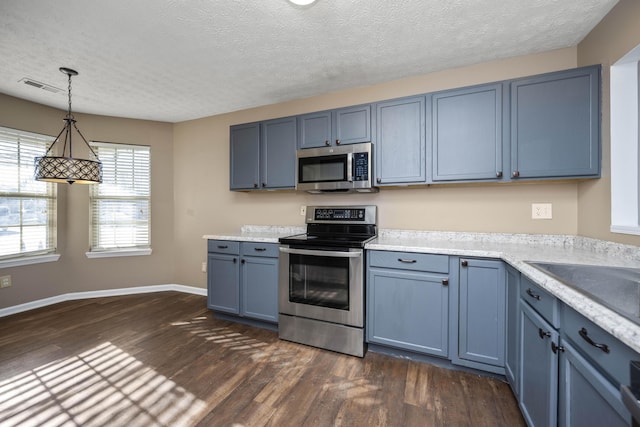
x=39, y=85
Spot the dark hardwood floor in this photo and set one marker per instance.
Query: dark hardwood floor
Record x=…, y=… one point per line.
x=162, y=359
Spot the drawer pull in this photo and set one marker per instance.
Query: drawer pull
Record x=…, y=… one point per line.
x=222, y=246
x=407, y=261
x=585, y=336
x=445, y=282
x=235, y=260
x=543, y=334
x=532, y=295
x=259, y=249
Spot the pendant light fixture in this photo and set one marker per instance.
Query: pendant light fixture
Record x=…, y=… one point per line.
x=66, y=168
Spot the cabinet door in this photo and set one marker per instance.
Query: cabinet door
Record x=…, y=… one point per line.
x=467, y=134
x=352, y=125
x=408, y=310
x=555, y=124
x=513, y=337
x=260, y=288
x=482, y=311
x=400, y=141
x=278, y=153
x=314, y=129
x=223, y=282
x=538, y=369
x=586, y=397
x=245, y=156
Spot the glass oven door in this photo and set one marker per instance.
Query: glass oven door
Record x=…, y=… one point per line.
x=322, y=284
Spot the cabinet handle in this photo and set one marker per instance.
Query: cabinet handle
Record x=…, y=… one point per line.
x=585, y=336
x=499, y=174
x=259, y=249
x=407, y=261
x=242, y=262
x=255, y=185
x=264, y=184
x=378, y=181
x=326, y=142
x=235, y=260
x=515, y=174
x=532, y=295
x=464, y=263
x=445, y=282
x=222, y=246
x=543, y=334
x=556, y=348
x=337, y=142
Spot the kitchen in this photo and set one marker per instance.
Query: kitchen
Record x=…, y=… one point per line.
x=187, y=202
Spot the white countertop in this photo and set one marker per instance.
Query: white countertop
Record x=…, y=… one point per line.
x=515, y=249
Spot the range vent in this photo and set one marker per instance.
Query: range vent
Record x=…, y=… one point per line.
x=40, y=85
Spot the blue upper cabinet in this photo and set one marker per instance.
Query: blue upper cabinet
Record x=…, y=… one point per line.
x=555, y=124
x=400, y=141
x=467, y=134
x=278, y=153
x=245, y=156
x=263, y=155
x=342, y=126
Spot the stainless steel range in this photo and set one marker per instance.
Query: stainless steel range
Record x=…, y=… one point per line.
x=321, y=279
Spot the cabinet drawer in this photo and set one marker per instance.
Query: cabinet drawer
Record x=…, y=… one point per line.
x=542, y=301
x=409, y=261
x=259, y=249
x=223, y=247
x=615, y=363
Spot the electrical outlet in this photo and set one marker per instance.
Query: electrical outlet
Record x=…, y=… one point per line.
x=5, y=281
x=303, y=210
x=541, y=211
x=204, y=267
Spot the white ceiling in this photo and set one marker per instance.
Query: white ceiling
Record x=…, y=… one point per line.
x=175, y=60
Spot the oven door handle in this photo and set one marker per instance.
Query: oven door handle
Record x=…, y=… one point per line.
x=334, y=254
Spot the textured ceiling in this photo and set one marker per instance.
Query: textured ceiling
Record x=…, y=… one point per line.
x=175, y=60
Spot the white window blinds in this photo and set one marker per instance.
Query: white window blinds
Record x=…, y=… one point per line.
x=27, y=206
x=120, y=206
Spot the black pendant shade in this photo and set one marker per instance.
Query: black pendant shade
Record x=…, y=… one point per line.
x=66, y=168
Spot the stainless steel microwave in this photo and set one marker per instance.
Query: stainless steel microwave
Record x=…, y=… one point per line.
x=341, y=168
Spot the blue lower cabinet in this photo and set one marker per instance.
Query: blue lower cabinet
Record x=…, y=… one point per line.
x=513, y=331
x=259, y=295
x=245, y=281
x=538, y=369
x=482, y=313
x=587, y=398
x=408, y=310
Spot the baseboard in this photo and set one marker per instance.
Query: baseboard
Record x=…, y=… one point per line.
x=99, y=294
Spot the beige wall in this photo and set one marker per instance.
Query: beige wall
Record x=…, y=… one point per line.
x=74, y=272
x=204, y=204
x=610, y=40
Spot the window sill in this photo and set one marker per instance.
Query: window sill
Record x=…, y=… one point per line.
x=625, y=229
x=118, y=253
x=37, y=259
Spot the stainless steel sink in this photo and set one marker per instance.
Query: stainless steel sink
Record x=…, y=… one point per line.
x=615, y=287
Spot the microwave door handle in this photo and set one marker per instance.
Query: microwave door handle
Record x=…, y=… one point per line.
x=350, y=167
x=335, y=254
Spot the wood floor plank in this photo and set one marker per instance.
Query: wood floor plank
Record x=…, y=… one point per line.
x=162, y=359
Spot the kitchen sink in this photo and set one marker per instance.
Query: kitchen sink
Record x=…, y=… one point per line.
x=617, y=288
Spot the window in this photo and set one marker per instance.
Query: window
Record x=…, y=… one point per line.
x=625, y=144
x=120, y=206
x=27, y=206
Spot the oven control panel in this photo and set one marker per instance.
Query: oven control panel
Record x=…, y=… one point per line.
x=352, y=214
x=341, y=214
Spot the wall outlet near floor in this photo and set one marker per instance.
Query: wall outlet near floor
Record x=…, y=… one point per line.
x=303, y=210
x=541, y=211
x=5, y=281
x=204, y=266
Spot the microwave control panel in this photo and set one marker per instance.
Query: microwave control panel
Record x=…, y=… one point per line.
x=360, y=166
